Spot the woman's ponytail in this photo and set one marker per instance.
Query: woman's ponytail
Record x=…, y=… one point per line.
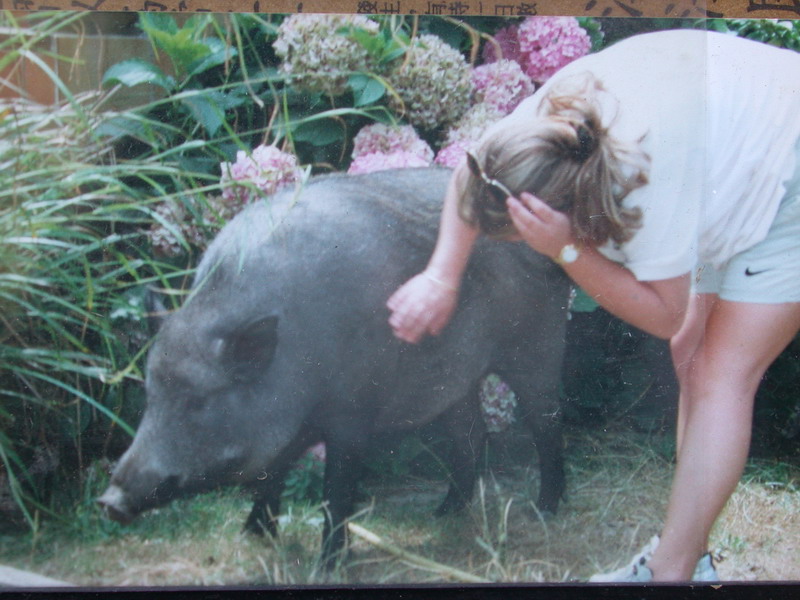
x=607, y=169
x=566, y=157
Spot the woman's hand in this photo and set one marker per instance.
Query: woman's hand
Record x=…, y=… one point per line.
x=657, y=307
x=422, y=306
x=544, y=229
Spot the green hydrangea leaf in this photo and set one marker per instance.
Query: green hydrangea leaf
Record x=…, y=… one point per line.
x=207, y=109
x=366, y=89
x=135, y=72
x=320, y=132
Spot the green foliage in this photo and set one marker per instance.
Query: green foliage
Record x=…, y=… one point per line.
x=614, y=372
x=190, y=51
x=595, y=31
x=136, y=71
x=73, y=258
x=367, y=89
x=304, y=481
x=581, y=302
x=777, y=410
x=781, y=33
x=214, y=88
x=385, y=47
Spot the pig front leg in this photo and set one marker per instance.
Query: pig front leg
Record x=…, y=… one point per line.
x=270, y=485
x=266, y=503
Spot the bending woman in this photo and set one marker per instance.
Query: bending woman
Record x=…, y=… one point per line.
x=661, y=173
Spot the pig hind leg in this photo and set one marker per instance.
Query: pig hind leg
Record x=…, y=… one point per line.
x=467, y=433
x=539, y=408
x=343, y=466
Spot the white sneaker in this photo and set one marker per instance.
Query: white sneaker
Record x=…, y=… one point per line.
x=705, y=571
x=635, y=571
x=638, y=571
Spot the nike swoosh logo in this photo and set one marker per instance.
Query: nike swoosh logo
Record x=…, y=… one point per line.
x=750, y=273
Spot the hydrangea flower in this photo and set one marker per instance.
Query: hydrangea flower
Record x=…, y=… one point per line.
x=466, y=133
x=381, y=161
x=433, y=82
x=264, y=171
x=505, y=40
x=165, y=240
x=451, y=155
x=501, y=84
x=497, y=402
x=317, y=452
x=386, y=139
x=548, y=43
x=316, y=56
x=267, y=169
x=541, y=45
x=473, y=123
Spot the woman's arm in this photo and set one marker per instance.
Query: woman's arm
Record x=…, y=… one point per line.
x=657, y=307
x=425, y=304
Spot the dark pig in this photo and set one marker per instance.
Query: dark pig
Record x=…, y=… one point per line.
x=284, y=341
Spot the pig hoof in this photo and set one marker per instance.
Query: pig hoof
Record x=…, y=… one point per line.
x=449, y=508
x=544, y=514
x=260, y=528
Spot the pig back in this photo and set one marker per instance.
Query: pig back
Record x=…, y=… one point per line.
x=326, y=256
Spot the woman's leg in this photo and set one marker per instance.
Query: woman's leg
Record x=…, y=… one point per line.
x=741, y=340
x=683, y=347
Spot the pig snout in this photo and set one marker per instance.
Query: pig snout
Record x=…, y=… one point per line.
x=114, y=503
x=123, y=506
x=133, y=491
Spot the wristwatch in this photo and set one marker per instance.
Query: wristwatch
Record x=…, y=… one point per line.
x=569, y=254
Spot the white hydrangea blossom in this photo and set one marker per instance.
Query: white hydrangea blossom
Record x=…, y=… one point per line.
x=433, y=82
x=316, y=57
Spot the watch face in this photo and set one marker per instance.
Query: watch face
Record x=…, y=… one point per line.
x=569, y=254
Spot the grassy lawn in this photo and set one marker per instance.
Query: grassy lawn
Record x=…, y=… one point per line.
x=617, y=490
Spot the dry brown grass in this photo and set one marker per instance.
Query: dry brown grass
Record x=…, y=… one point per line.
x=617, y=494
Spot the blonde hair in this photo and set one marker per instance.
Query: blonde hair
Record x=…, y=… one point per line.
x=566, y=158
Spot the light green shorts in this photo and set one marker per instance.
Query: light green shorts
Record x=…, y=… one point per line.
x=768, y=272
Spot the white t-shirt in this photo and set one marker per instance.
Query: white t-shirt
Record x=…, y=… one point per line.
x=720, y=116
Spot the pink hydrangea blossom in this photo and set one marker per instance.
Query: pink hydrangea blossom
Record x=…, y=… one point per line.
x=466, y=133
x=380, y=161
x=317, y=452
x=452, y=154
x=497, y=402
x=501, y=84
x=266, y=169
x=505, y=40
x=386, y=139
x=548, y=43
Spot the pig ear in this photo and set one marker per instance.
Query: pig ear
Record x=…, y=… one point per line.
x=249, y=351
